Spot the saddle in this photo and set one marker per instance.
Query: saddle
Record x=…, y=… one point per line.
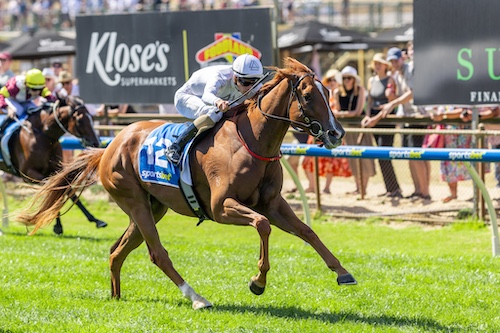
x=154, y=167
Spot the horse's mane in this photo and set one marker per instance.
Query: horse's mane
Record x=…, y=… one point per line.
x=291, y=67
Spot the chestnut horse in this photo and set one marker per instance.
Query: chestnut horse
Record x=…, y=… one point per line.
x=235, y=172
x=35, y=149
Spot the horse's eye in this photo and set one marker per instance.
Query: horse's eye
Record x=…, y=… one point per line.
x=307, y=97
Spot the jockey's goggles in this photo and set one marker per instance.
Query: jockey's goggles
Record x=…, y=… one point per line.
x=247, y=82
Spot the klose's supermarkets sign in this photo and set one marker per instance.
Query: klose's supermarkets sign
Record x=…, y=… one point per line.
x=144, y=58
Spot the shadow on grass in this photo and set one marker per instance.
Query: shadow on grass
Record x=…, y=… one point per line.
x=63, y=236
x=422, y=324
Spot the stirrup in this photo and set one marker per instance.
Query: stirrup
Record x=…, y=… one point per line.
x=173, y=154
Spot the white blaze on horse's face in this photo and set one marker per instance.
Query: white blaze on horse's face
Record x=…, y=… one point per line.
x=334, y=129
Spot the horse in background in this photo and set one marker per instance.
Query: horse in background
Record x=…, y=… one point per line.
x=235, y=171
x=34, y=149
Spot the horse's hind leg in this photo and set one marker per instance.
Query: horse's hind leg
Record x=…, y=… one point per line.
x=140, y=211
x=88, y=215
x=129, y=241
x=284, y=218
x=58, y=228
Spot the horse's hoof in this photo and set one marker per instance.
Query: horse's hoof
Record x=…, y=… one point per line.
x=197, y=305
x=346, y=280
x=201, y=303
x=100, y=224
x=58, y=229
x=255, y=288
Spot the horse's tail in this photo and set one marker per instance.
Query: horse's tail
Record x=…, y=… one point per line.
x=57, y=189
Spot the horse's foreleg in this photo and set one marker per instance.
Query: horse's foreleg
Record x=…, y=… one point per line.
x=284, y=218
x=88, y=215
x=235, y=213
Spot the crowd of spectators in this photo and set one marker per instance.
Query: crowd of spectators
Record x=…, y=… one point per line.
x=390, y=91
x=20, y=14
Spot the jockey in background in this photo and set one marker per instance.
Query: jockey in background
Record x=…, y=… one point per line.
x=19, y=93
x=208, y=93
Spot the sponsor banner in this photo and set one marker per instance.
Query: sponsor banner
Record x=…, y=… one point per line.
x=457, y=54
x=386, y=153
x=143, y=58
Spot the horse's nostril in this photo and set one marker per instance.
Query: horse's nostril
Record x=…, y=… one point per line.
x=336, y=134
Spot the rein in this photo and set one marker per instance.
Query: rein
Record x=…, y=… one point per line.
x=60, y=124
x=315, y=128
x=56, y=118
x=311, y=125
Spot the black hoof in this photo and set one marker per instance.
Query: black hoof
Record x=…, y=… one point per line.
x=58, y=229
x=256, y=289
x=100, y=224
x=346, y=280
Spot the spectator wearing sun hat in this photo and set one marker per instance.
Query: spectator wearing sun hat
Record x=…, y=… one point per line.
x=350, y=100
x=5, y=72
x=381, y=89
x=69, y=86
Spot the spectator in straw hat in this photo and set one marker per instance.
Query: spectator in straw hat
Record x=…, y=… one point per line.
x=69, y=87
x=381, y=90
x=5, y=72
x=350, y=98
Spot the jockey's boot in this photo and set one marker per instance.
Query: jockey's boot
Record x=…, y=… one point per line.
x=174, y=152
x=6, y=122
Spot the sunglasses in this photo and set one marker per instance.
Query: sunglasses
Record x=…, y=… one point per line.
x=65, y=83
x=37, y=90
x=347, y=78
x=330, y=79
x=246, y=82
x=56, y=65
x=47, y=79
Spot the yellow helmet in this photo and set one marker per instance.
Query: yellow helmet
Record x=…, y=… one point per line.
x=35, y=79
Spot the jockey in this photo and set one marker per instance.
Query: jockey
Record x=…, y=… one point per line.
x=18, y=94
x=208, y=93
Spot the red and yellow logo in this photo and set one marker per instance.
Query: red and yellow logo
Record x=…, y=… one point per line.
x=225, y=46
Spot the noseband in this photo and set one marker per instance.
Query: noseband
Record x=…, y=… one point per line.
x=314, y=126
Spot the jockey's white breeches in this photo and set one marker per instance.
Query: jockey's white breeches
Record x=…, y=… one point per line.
x=192, y=107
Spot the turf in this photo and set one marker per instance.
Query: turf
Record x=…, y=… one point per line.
x=411, y=279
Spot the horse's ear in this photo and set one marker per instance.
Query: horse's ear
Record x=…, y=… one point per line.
x=79, y=100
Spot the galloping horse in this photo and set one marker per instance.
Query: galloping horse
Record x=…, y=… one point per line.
x=235, y=172
x=35, y=151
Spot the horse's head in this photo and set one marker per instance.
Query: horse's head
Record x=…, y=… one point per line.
x=80, y=122
x=308, y=106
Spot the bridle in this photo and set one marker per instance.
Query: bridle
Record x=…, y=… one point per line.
x=73, y=109
x=314, y=126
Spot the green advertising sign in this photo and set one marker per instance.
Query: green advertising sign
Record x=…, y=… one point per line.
x=457, y=52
